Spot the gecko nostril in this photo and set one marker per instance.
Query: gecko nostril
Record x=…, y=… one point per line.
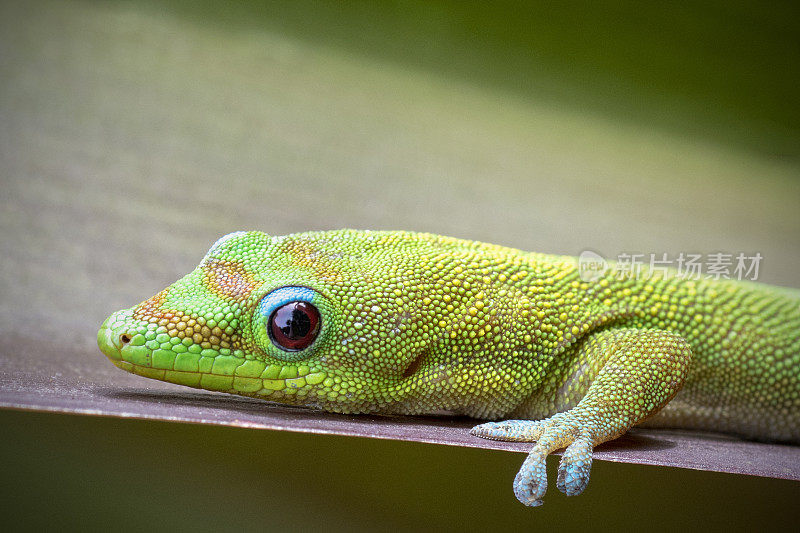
x=124, y=338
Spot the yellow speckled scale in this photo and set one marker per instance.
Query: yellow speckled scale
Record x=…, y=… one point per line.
x=400, y=322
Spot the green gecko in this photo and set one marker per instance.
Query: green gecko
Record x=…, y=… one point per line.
x=411, y=323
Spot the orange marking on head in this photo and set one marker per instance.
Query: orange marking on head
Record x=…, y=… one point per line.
x=228, y=279
x=321, y=263
x=151, y=308
x=182, y=324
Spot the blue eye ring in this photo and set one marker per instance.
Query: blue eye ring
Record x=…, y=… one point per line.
x=290, y=318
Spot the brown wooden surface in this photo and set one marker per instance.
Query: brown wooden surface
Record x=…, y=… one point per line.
x=69, y=380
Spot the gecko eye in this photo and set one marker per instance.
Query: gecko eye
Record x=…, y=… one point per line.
x=294, y=326
x=289, y=321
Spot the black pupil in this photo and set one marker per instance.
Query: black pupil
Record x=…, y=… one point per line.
x=294, y=325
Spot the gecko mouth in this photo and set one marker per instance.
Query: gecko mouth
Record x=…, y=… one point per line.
x=234, y=384
x=127, y=350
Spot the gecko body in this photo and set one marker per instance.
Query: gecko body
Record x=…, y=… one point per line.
x=409, y=323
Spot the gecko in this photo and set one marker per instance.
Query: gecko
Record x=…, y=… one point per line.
x=397, y=322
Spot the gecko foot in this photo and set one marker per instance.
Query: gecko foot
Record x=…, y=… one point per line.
x=555, y=432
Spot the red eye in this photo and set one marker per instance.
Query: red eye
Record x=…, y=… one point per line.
x=294, y=326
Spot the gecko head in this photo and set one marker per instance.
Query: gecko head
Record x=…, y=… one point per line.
x=342, y=320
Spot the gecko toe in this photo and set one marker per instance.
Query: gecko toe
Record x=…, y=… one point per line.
x=510, y=430
x=575, y=466
x=530, y=484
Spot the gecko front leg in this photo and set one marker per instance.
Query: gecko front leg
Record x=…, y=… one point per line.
x=639, y=371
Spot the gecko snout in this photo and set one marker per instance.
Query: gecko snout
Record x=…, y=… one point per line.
x=114, y=338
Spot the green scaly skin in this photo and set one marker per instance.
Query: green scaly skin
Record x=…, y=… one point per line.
x=416, y=323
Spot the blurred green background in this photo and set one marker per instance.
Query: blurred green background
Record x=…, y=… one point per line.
x=134, y=133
